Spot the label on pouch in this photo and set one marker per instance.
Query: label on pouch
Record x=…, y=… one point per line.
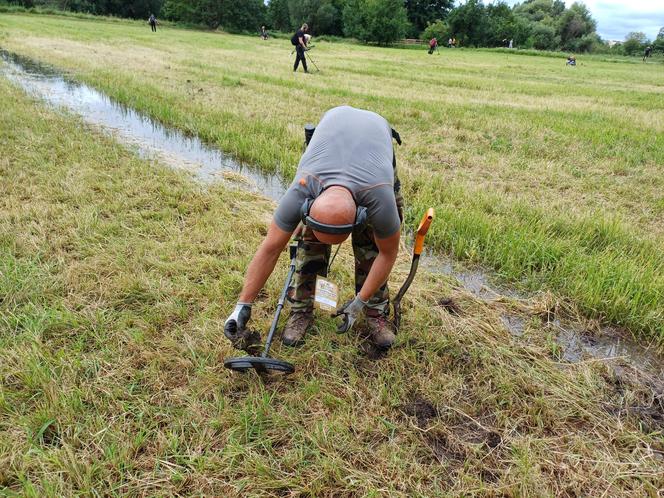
x=326, y=294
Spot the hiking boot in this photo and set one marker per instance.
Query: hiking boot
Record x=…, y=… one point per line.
x=297, y=325
x=381, y=329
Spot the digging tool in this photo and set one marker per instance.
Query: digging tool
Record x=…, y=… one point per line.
x=264, y=362
x=422, y=230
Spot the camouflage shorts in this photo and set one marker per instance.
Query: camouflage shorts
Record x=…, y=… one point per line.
x=313, y=259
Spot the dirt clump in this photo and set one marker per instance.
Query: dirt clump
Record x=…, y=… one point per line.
x=421, y=409
x=450, y=305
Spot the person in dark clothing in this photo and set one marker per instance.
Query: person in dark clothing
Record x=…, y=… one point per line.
x=647, y=53
x=300, y=42
x=153, y=23
x=263, y=33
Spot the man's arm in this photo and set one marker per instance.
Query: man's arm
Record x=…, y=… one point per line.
x=302, y=42
x=382, y=266
x=263, y=262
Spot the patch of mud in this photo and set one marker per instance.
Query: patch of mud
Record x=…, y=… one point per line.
x=450, y=305
x=147, y=137
x=580, y=344
x=421, y=409
x=372, y=352
x=514, y=323
x=476, y=280
x=443, y=450
x=651, y=418
x=576, y=342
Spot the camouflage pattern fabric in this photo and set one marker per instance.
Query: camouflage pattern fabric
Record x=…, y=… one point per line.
x=313, y=259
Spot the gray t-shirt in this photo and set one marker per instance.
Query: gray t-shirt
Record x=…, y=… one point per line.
x=352, y=148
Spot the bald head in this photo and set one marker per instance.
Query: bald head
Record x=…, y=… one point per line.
x=335, y=206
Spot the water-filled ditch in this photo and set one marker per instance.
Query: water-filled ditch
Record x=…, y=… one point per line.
x=147, y=137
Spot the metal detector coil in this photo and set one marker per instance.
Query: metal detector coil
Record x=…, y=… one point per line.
x=264, y=363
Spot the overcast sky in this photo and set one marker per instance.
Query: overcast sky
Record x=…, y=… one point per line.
x=616, y=18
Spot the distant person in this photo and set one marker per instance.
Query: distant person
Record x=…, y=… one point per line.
x=449, y=43
x=647, y=53
x=511, y=43
x=300, y=43
x=571, y=60
x=152, y=21
x=263, y=33
x=454, y=42
x=433, y=45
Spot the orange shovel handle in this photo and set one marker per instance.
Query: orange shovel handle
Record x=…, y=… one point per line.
x=422, y=230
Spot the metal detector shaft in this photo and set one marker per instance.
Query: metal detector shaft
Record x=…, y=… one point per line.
x=282, y=299
x=422, y=230
x=314, y=63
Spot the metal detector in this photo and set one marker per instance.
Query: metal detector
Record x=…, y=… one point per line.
x=265, y=363
x=422, y=230
x=313, y=61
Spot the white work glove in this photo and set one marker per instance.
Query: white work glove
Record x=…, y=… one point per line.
x=237, y=321
x=350, y=313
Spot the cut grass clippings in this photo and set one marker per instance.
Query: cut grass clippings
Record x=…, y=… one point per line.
x=115, y=277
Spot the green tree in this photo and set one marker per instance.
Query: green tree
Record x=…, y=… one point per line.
x=575, y=23
x=229, y=14
x=423, y=12
x=635, y=43
x=469, y=23
x=322, y=16
x=354, y=19
x=544, y=11
x=328, y=20
x=544, y=37
x=658, y=44
x=138, y=9
x=501, y=25
x=278, y=15
x=439, y=30
x=380, y=21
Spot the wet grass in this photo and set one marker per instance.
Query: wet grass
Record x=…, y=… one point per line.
x=115, y=276
x=551, y=175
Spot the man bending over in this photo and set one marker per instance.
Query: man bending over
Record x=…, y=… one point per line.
x=345, y=184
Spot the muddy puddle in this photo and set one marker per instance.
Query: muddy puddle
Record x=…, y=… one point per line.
x=148, y=138
x=154, y=141
x=577, y=343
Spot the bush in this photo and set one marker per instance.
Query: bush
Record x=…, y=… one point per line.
x=438, y=29
x=544, y=37
x=380, y=21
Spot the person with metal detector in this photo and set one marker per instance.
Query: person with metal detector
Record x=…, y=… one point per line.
x=433, y=45
x=299, y=41
x=152, y=21
x=345, y=184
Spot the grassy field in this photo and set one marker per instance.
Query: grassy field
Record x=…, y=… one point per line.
x=551, y=175
x=116, y=275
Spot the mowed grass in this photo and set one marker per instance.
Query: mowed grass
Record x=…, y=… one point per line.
x=115, y=277
x=551, y=175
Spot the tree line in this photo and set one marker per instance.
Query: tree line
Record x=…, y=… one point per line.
x=538, y=24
